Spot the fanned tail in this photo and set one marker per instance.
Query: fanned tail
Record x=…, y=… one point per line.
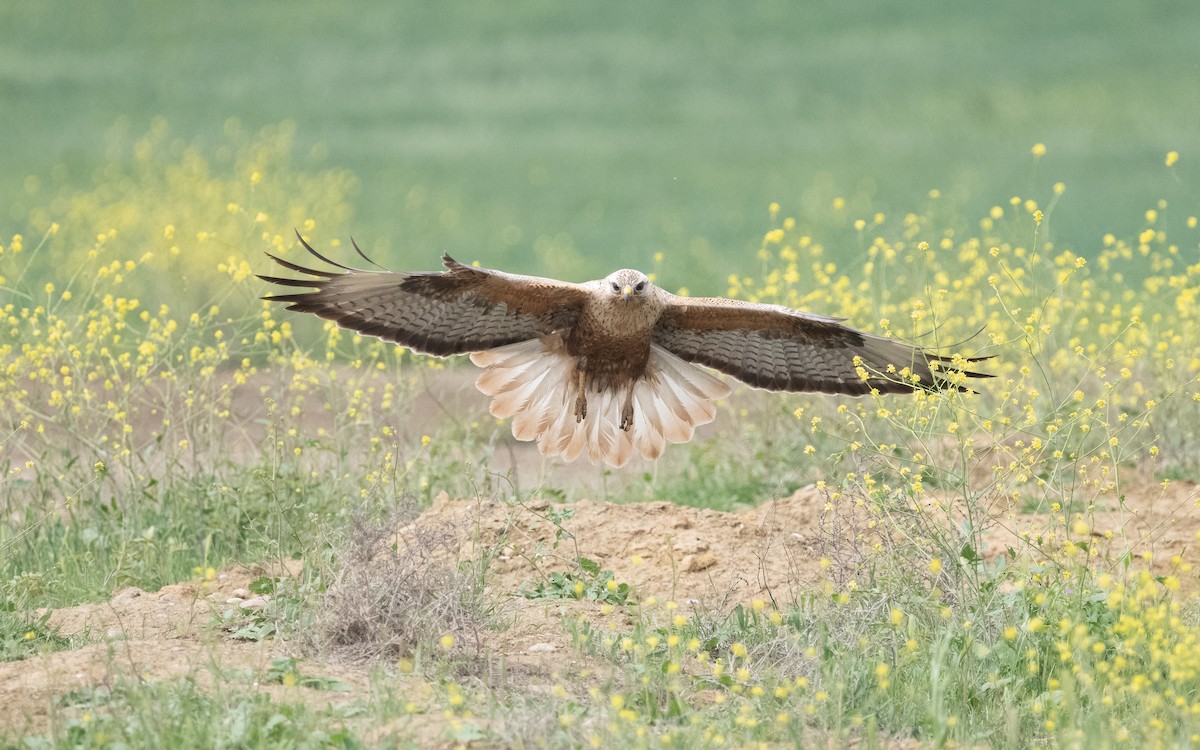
x=535, y=383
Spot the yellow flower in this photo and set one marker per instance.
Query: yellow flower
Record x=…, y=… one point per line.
x=1172, y=157
x=1038, y=150
x=446, y=642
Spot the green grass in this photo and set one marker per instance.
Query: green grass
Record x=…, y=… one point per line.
x=184, y=715
x=23, y=634
x=574, y=139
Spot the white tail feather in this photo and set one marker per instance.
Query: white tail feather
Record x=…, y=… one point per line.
x=535, y=383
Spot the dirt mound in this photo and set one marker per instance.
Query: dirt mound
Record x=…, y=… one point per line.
x=664, y=550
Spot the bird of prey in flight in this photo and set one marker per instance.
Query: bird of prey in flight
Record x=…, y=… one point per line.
x=609, y=367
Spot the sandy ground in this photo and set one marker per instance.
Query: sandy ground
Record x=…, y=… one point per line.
x=697, y=558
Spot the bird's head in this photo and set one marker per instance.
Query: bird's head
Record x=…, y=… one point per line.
x=629, y=285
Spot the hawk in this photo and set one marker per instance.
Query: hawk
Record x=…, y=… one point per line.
x=608, y=367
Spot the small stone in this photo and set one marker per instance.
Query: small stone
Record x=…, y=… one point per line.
x=543, y=647
x=257, y=602
x=114, y=634
x=234, y=600
x=698, y=562
x=241, y=593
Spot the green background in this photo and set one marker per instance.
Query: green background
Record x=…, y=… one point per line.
x=572, y=138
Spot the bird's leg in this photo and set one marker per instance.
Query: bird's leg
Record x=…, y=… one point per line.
x=581, y=399
x=627, y=409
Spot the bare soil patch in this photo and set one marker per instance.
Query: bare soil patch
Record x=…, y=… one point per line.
x=664, y=550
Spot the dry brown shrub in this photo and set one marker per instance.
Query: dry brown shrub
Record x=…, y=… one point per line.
x=399, y=588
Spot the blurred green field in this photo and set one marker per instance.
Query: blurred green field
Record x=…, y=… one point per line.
x=570, y=138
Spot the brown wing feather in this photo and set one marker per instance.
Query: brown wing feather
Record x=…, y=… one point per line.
x=781, y=349
x=462, y=309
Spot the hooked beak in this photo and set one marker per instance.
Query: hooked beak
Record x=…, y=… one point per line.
x=626, y=293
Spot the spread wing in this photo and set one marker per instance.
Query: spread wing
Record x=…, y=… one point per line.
x=781, y=349
x=462, y=309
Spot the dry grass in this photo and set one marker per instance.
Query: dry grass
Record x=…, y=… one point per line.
x=400, y=589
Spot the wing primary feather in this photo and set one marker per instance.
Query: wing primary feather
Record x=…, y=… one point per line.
x=309, y=248
x=363, y=255
x=300, y=298
x=301, y=269
x=941, y=358
x=311, y=283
